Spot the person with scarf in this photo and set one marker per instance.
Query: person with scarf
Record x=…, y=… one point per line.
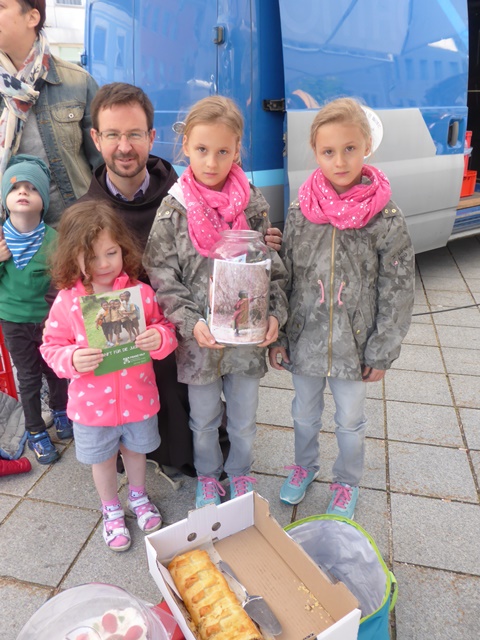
x=350, y=265
x=213, y=194
x=25, y=249
x=44, y=106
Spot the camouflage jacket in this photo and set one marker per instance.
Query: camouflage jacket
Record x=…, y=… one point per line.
x=179, y=274
x=350, y=292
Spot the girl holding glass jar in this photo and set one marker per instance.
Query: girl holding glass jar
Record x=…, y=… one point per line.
x=212, y=196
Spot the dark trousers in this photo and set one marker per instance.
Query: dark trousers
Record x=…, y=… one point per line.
x=176, y=448
x=23, y=341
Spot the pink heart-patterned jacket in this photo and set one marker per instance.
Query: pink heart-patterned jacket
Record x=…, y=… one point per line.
x=129, y=395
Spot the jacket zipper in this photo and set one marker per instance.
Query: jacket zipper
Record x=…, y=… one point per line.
x=332, y=277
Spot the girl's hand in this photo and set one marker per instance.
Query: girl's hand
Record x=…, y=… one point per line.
x=149, y=340
x=202, y=335
x=87, y=359
x=372, y=375
x=273, y=354
x=5, y=253
x=273, y=238
x=272, y=332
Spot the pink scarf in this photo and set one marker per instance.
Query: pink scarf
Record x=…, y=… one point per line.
x=321, y=204
x=210, y=212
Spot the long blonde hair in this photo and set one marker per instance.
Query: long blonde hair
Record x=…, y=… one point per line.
x=214, y=110
x=343, y=111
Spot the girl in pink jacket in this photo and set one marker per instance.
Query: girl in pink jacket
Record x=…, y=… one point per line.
x=118, y=410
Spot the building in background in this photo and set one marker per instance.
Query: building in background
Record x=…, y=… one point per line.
x=65, y=28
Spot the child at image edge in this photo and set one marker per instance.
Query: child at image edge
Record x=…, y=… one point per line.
x=212, y=194
x=25, y=248
x=117, y=410
x=350, y=263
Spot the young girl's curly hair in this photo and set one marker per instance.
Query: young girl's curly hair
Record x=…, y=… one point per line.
x=343, y=111
x=80, y=226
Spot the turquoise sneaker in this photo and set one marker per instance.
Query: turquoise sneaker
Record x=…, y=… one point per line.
x=344, y=500
x=209, y=491
x=295, y=486
x=240, y=485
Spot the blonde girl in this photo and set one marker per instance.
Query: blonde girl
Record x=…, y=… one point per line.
x=118, y=410
x=350, y=267
x=213, y=194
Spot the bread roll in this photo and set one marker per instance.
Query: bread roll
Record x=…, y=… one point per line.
x=214, y=608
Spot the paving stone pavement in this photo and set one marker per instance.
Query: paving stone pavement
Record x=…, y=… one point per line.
x=419, y=497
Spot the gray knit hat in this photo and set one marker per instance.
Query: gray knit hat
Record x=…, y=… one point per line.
x=31, y=169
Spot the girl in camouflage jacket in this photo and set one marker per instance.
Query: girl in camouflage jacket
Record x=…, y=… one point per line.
x=213, y=194
x=350, y=264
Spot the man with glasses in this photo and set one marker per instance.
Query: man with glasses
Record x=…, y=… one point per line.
x=135, y=183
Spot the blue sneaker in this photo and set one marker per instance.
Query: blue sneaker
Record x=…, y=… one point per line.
x=240, y=485
x=42, y=447
x=63, y=425
x=295, y=486
x=209, y=491
x=343, y=501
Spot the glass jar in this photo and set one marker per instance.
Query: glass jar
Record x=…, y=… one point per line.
x=95, y=611
x=239, y=288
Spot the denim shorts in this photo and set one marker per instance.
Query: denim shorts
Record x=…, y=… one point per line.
x=98, y=444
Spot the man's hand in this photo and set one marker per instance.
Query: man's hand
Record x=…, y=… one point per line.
x=272, y=332
x=149, y=340
x=372, y=375
x=202, y=335
x=5, y=253
x=273, y=238
x=273, y=354
x=88, y=359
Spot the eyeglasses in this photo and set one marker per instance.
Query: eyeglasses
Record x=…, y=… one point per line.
x=114, y=137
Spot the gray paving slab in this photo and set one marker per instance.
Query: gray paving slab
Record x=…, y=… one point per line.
x=68, y=482
x=20, y=485
x=462, y=361
x=450, y=282
x=279, y=379
x=420, y=297
x=446, y=300
x=429, y=424
x=128, y=570
x=19, y=603
x=43, y=540
x=425, y=388
x=421, y=334
x=471, y=425
x=421, y=314
x=273, y=449
x=475, y=456
x=468, y=337
x=417, y=358
x=447, y=606
x=431, y=471
x=458, y=318
x=473, y=283
x=276, y=407
x=466, y=390
x=7, y=503
x=436, y=533
x=269, y=488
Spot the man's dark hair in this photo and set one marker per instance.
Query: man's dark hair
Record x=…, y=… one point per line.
x=120, y=93
x=39, y=5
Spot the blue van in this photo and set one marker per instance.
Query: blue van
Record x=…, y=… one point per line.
x=282, y=59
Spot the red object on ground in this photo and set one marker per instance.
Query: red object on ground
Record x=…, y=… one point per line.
x=178, y=635
x=7, y=381
x=9, y=467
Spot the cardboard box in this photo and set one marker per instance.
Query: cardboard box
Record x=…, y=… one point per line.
x=267, y=561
